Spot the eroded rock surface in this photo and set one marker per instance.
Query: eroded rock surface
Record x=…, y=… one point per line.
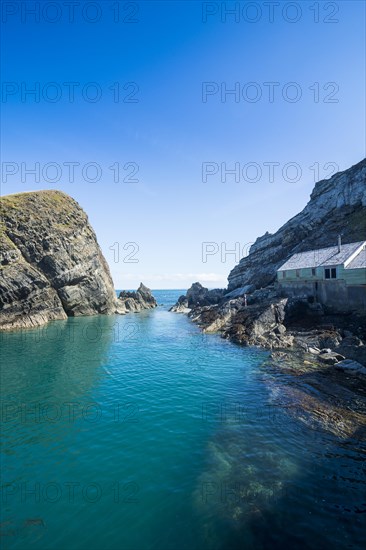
x=51, y=266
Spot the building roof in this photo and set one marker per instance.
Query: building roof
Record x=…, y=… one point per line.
x=328, y=257
x=359, y=261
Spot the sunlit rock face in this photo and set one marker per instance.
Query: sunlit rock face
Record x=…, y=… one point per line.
x=336, y=206
x=51, y=266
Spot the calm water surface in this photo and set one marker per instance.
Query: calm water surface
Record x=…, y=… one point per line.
x=139, y=432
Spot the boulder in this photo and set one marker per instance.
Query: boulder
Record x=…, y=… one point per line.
x=330, y=357
x=181, y=306
x=197, y=296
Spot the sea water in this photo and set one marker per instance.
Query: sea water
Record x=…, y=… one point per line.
x=139, y=432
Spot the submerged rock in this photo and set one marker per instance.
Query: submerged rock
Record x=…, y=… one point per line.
x=351, y=366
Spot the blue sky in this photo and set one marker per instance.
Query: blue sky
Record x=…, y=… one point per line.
x=176, y=127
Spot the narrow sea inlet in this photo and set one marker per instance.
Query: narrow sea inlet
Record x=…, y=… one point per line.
x=141, y=433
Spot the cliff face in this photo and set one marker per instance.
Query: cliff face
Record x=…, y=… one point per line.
x=51, y=266
x=336, y=206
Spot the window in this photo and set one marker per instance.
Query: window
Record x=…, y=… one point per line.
x=297, y=272
x=313, y=271
x=284, y=274
x=330, y=273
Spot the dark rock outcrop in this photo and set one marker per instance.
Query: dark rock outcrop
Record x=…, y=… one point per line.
x=135, y=301
x=197, y=295
x=268, y=320
x=51, y=266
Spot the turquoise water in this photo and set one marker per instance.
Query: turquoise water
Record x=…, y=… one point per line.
x=139, y=432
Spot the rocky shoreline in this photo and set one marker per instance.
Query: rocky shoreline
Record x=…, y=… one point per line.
x=316, y=368
x=255, y=311
x=51, y=265
x=267, y=319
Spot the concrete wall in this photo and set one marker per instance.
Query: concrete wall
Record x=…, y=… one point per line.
x=335, y=294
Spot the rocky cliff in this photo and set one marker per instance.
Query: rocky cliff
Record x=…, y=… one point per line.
x=253, y=311
x=51, y=266
x=336, y=206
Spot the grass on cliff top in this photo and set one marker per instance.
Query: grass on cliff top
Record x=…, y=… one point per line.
x=33, y=204
x=18, y=200
x=40, y=206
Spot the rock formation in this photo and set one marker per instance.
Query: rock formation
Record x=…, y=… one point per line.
x=135, y=301
x=197, y=295
x=336, y=206
x=51, y=266
x=252, y=310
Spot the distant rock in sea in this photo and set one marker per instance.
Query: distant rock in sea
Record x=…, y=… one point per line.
x=135, y=301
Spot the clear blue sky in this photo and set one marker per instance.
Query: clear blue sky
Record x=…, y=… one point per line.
x=169, y=132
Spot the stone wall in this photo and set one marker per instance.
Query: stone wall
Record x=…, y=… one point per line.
x=336, y=295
